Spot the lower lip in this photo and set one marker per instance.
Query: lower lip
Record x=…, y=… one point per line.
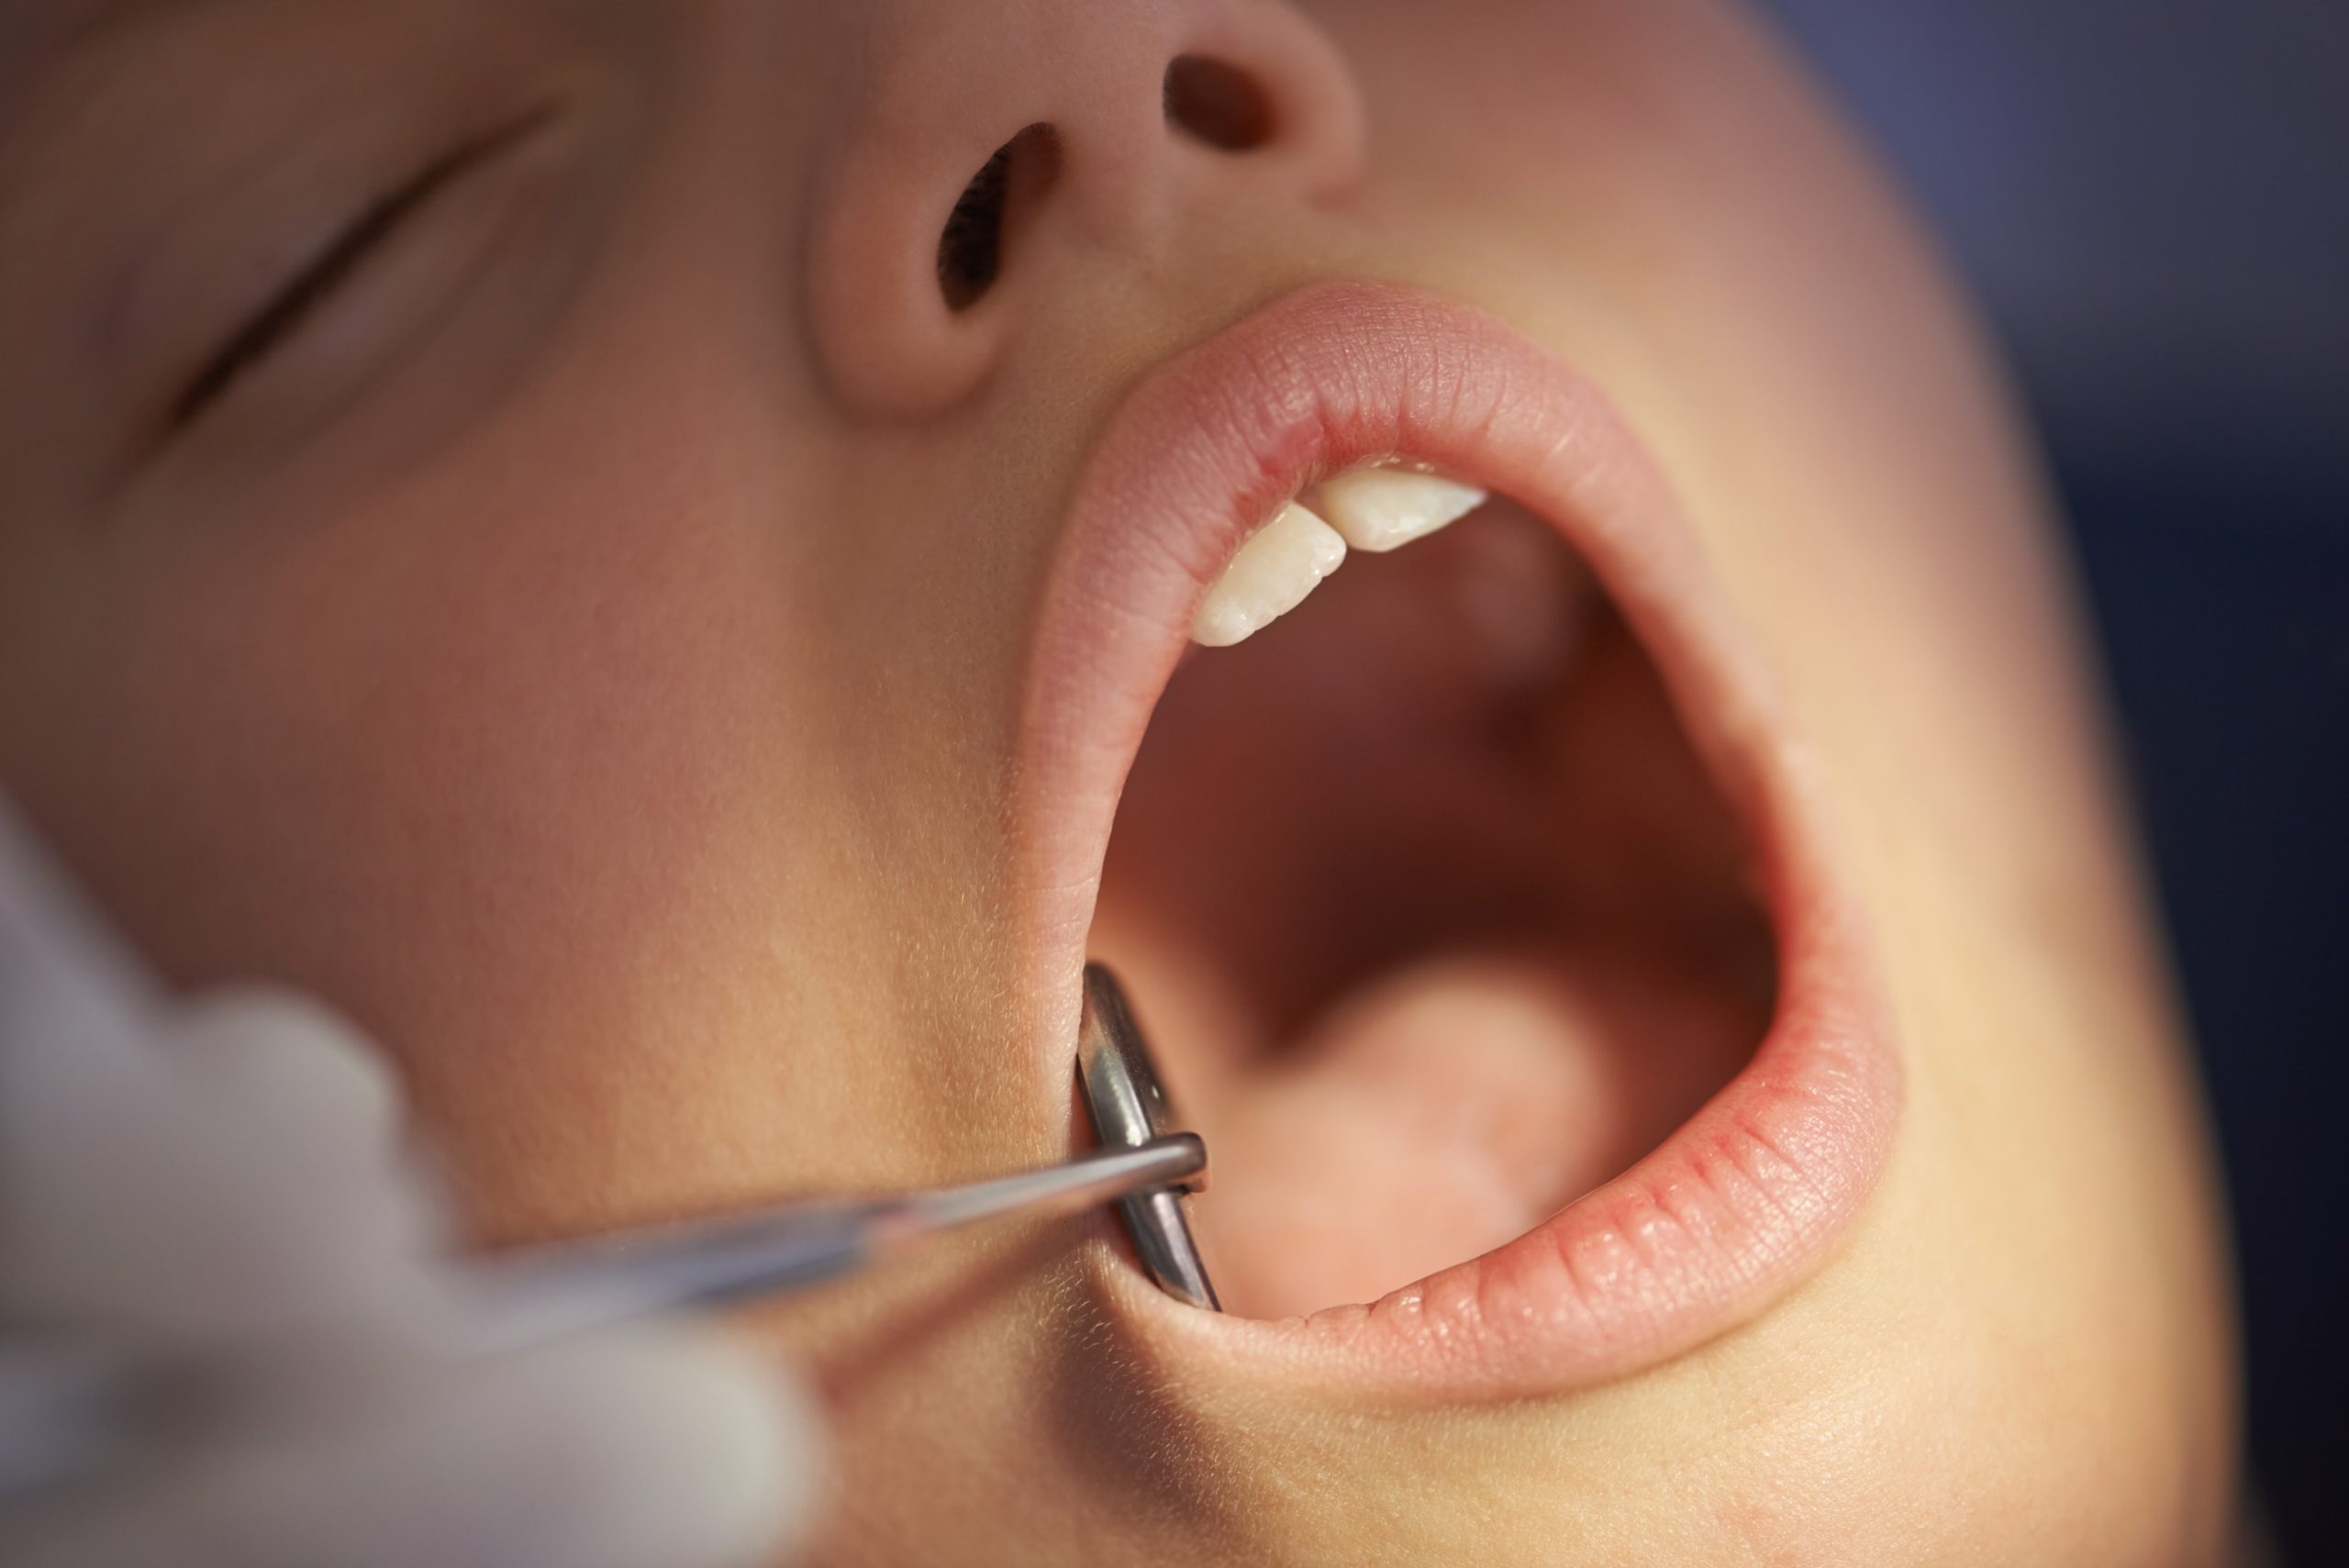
x=1751, y=1195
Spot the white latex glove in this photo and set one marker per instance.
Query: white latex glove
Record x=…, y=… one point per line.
x=228, y=1176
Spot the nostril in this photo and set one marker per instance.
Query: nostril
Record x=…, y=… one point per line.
x=1217, y=103
x=970, y=248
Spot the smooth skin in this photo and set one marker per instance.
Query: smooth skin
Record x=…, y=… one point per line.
x=586, y=649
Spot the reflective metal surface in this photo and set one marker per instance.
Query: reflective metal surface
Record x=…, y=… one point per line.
x=1129, y=1108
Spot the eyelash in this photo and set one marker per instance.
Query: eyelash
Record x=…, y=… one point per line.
x=309, y=288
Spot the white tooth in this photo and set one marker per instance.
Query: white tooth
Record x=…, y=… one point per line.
x=1382, y=508
x=1269, y=576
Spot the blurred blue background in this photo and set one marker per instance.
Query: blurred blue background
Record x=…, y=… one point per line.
x=2153, y=202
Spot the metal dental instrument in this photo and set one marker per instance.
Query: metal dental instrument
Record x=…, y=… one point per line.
x=1130, y=1110
x=567, y=1286
x=67, y=1409
x=1145, y=1163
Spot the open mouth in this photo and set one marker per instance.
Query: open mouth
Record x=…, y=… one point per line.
x=1435, y=914
x=1476, y=905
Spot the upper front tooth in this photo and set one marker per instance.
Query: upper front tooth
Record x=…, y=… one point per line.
x=1380, y=508
x=1268, y=576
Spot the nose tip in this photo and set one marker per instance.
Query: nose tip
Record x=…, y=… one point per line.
x=991, y=154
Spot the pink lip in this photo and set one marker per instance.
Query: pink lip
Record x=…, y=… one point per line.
x=1751, y=1194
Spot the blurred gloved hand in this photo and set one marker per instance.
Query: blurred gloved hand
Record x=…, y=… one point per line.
x=221, y=1186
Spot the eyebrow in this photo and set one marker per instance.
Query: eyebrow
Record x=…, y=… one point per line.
x=38, y=37
x=41, y=28
x=43, y=40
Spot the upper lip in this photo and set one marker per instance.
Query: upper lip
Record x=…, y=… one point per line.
x=1749, y=1196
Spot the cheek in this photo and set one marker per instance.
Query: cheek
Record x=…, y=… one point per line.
x=514, y=679
x=516, y=764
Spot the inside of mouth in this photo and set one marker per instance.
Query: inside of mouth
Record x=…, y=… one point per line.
x=1431, y=916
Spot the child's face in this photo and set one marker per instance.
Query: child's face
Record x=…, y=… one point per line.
x=502, y=526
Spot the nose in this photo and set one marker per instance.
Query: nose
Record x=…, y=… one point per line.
x=990, y=152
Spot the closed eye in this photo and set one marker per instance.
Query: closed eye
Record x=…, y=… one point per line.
x=292, y=304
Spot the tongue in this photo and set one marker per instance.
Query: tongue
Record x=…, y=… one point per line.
x=1440, y=1112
